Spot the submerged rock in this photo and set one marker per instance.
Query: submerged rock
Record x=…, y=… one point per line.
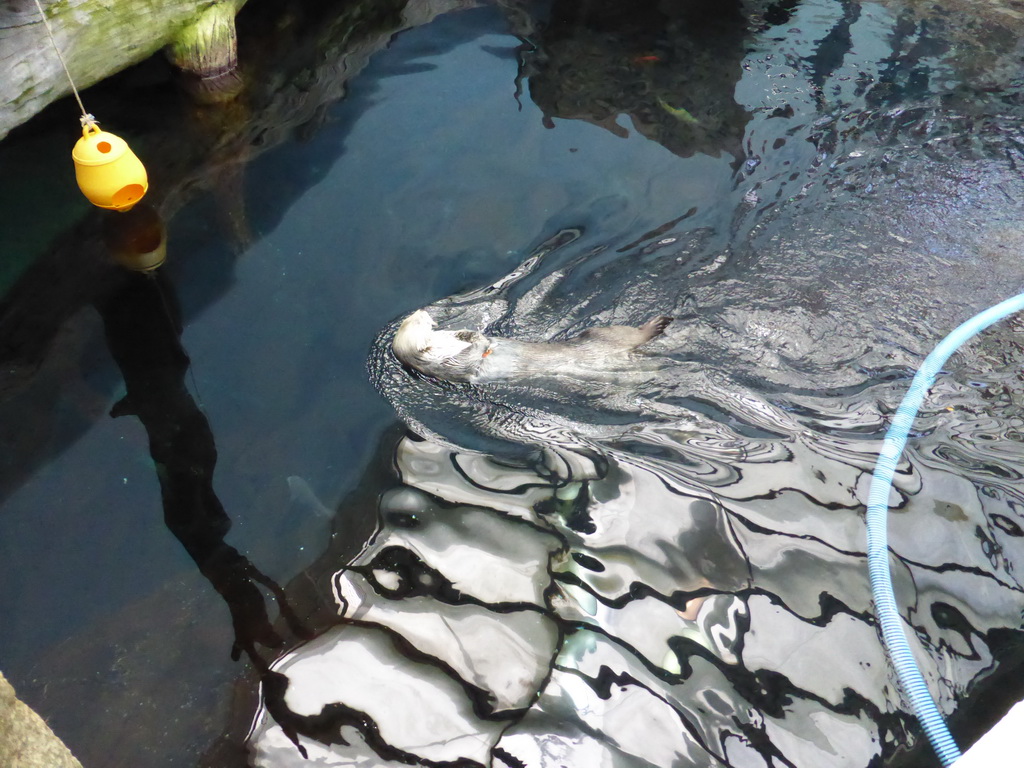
x=26, y=741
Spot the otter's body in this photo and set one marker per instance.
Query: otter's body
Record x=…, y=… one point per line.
x=473, y=357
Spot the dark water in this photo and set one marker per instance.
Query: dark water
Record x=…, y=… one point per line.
x=253, y=563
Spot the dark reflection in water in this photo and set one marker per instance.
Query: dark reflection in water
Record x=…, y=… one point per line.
x=142, y=323
x=671, y=68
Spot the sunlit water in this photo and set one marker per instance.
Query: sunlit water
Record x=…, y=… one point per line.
x=658, y=568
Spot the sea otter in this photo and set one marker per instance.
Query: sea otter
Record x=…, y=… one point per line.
x=470, y=356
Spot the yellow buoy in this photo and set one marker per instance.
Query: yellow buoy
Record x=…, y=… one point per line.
x=108, y=172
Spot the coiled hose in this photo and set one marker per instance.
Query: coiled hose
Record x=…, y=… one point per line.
x=911, y=680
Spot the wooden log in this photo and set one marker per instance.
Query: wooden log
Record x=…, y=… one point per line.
x=97, y=39
x=206, y=52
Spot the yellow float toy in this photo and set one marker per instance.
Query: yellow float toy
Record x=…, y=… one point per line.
x=108, y=172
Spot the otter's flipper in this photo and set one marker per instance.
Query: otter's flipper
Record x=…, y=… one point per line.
x=655, y=327
x=622, y=338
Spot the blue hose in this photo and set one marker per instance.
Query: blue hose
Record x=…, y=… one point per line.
x=911, y=680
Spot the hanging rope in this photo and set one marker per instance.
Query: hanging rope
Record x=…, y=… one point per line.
x=87, y=119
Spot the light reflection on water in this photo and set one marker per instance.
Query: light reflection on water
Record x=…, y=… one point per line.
x=705, y=598
x=656, y=570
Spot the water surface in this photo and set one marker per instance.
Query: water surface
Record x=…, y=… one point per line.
x=659, y=570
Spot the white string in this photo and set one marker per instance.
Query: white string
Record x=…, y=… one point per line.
x=86, y=118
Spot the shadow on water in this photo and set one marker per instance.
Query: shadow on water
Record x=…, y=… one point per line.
x=671, y=69
x=143, y=329
x=142, y=323
x=661, y=567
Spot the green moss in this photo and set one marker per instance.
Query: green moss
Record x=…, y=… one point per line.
x=109, y=37
x=207, y=44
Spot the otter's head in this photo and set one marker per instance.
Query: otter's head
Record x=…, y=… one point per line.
x=413, y=336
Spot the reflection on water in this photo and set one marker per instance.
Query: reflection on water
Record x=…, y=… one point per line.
x=143, y=329
x=661, y=568
x=669, y=569
x=656, y=615
x=671, y=68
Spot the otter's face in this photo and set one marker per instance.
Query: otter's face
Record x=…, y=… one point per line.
x=413, y=336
